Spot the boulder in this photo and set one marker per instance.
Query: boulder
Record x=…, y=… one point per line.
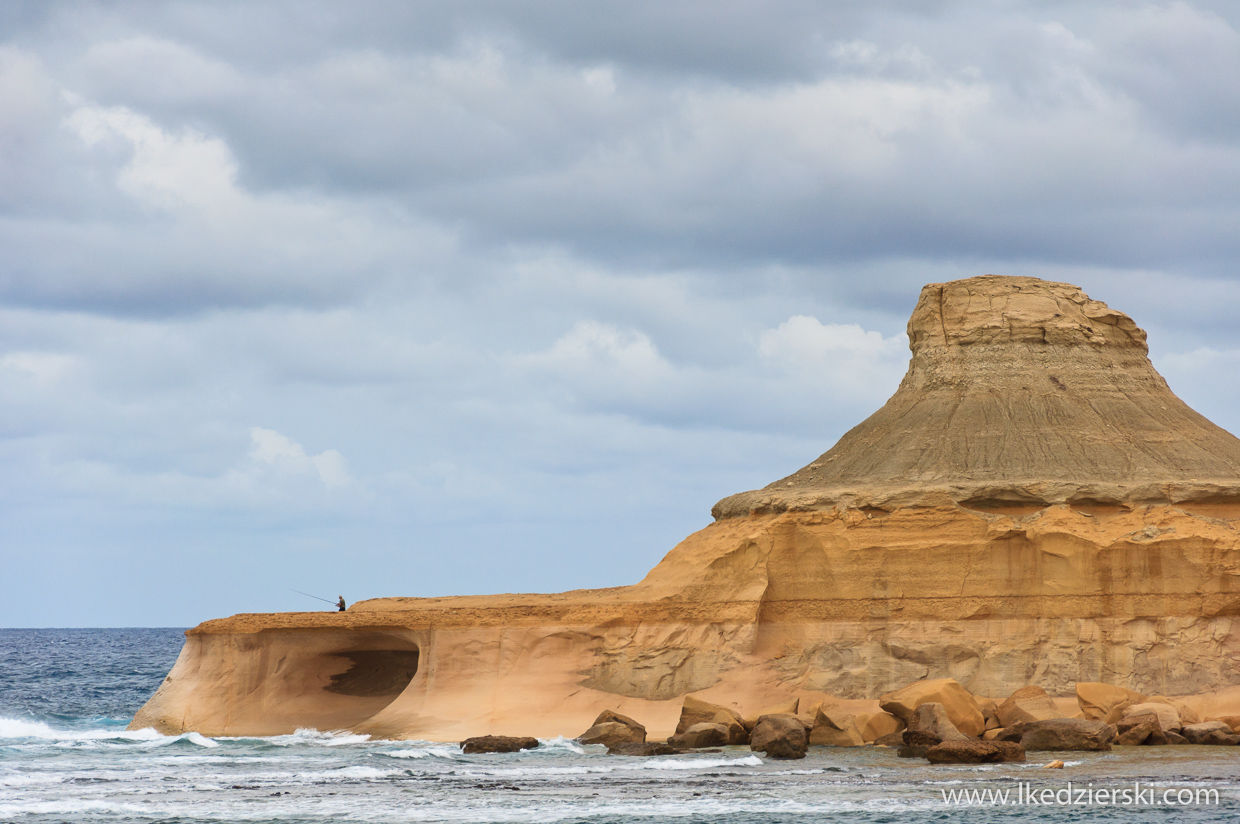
x=1067, y=734
x=1209, y=732
x=807, y=712
x=932, y=718
x=701, y=735
x=611, y=733
x=1012, y=750
x=1175, y=738
x=645, y=749
x=497, y=743
x=779, y=736
x=961, y=708
x=970, y=751
x=874, y=725
x=894, y=739
x=1012, y=733
x=1135, y=734
x=611, y=728
x=1053, y=765
x=1097, y=699
x=1232, y=721
x=788, y=707
x=737, y=734
x=1027, y=704
x=696, y=711
x=835, y=728
x=1187, y=714
x=1116, y=713
x=990, y=711
x=611, y=716
x=1168, y=718
x=993, y=735
x=917, y=743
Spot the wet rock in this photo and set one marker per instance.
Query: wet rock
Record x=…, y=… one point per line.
x=893, y=739
x=497, y=743
x=779, y=736
x=917, y=743
x=701, y=735
x=972, y=751
x=1210, y=732
x=1067, y=734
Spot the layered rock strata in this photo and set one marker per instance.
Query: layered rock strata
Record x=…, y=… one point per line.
x=1033, y=505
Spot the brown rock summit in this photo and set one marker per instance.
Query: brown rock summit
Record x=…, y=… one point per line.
x=1019, y=391
x=1033, y=505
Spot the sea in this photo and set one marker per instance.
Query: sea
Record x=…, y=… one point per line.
x=66, y=755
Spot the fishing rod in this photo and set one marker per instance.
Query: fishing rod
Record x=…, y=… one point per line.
x=315, y=597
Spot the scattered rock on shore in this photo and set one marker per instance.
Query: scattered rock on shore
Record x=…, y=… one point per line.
x=706, y=734
x=497, y=743
x=1210, y=732
x=1027, y=704
x=1067, y=734
x=917, y=743
x=779, y=736
x=961, y=707
x=971, y=751
x=932, y=718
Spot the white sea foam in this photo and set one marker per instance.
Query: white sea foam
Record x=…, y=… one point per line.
x=313, y=737
x=560, y=743
x=21, y=729
x=29, y=780
x=348, y=773
x=426, y=752
x=696, y=763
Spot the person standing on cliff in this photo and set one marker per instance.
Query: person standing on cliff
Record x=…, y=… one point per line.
x=340, y=604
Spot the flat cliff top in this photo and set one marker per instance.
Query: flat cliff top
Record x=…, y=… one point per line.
x=1019, y=391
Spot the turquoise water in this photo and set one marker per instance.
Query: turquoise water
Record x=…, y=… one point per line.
x=66, y=696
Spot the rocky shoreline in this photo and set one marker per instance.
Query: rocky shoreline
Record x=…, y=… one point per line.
x=938, y=720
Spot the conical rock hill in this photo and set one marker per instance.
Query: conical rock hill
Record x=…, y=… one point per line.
x=1018, y=391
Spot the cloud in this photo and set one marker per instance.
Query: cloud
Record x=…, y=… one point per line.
x=535, y=269
x=284, y=456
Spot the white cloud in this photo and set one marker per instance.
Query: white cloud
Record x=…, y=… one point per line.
x=286, y=457
x=166, y=169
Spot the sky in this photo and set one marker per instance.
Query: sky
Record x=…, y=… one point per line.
x=374, y=299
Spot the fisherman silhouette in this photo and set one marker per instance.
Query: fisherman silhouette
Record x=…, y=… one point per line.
x=340, y=604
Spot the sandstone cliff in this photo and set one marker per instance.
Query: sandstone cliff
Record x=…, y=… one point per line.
x=1033, y=505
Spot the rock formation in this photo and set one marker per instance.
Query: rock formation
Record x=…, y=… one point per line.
x=1032, y=506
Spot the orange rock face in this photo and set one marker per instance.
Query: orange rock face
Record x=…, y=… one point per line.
x=1033, y=505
